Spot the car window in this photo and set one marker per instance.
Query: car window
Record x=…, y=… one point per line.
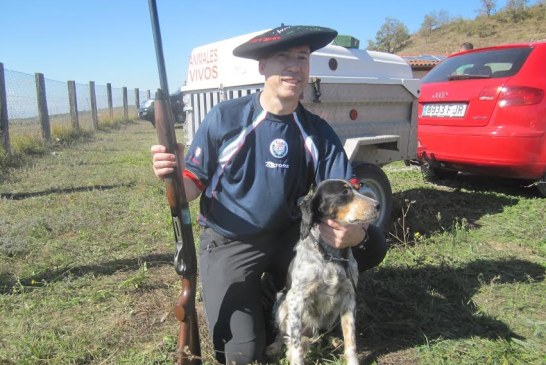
x=146, y=103
x=487, y=64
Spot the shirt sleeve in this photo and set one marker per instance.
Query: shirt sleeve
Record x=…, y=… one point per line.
x=201, y=157
x=333, y=162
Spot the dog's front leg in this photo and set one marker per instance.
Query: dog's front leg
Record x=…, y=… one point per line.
x=349, y=336
x=294, y=329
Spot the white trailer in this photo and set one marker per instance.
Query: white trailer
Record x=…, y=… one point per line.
x=369, y=98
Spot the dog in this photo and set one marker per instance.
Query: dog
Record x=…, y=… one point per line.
x=321, y=280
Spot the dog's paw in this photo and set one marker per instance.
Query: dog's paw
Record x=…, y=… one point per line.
x=351, y=358
x=306, y=343
x=295, y=356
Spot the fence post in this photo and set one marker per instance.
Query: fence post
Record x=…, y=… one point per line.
x=137, y=98
x=4, y=121
x=110, y=104
x=125, y=105
x=93, y=99
x=73, y=105
x=148, y=95
x=43, y=113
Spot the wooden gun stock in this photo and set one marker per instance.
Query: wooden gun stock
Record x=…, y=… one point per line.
x=185, y=262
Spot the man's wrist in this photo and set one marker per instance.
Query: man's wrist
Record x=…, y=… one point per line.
x=362, y=244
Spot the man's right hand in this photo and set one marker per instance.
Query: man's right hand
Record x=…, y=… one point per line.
x=164, y=163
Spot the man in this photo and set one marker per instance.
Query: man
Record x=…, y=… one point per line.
x=252, y=160
x=466, y=46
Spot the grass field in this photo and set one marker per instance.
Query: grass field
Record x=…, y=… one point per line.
x=86, y=275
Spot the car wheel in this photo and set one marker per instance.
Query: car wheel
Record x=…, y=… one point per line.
x=375, y=184
x=541, y=186
x=436, y=173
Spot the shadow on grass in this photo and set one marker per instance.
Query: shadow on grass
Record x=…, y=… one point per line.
x=404, y=307
x=517, y=188
x=410, y=307
x=434, y=210
x=21, y=196
x=9, y=284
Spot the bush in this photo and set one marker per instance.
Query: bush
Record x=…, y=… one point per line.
x=29, y=144
x=64, y=135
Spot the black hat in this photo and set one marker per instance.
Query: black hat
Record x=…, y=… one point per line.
x=283, y=37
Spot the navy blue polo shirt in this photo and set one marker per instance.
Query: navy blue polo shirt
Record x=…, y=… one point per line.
x=255, y=166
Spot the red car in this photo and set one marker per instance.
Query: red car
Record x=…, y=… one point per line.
x=483, y=111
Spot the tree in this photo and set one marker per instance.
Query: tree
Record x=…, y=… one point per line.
x=516, y=10
x=428, y=25
x=488, y=7
x=434, y=21
x=390, y=37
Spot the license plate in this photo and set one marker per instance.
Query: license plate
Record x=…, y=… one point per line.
x=456, y=110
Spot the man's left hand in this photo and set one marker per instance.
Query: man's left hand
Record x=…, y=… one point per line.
x=341, y=236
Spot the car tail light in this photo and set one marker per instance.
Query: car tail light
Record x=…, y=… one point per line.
x=513, y=95
x=489, y=93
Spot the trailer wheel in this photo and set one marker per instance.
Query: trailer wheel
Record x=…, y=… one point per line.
x=375, y=184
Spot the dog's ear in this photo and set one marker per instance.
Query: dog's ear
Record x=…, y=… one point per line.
x=307, y=216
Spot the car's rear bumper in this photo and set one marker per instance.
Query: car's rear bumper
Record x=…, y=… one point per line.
x=146, y=114
x=517, y=153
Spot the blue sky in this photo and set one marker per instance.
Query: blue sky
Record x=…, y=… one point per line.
x=111, y=40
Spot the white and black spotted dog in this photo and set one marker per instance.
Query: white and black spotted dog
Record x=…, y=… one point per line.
x=321, y=280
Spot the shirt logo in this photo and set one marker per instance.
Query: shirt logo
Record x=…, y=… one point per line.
x=278, y=148
x=274, y=165
x=195, y=157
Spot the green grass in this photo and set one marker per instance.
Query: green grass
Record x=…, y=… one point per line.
x=86, y=276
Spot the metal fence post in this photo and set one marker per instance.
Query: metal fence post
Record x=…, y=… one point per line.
x=43, y=113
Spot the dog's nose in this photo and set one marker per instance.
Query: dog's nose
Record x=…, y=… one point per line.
x=377, y=206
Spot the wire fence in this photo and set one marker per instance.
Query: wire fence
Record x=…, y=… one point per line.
x=28, y=101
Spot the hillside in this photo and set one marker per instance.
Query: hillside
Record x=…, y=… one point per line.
x=482, y=31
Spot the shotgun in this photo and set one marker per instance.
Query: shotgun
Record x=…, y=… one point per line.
x=185, y=263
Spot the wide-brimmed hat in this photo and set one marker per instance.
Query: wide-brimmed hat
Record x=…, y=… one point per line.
x=283, y=37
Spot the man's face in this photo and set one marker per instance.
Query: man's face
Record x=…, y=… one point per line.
x=286, y=72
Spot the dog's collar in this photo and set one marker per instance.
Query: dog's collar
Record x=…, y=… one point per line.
x=328, y=252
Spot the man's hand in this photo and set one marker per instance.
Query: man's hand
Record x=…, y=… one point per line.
x=341, y=236
x=164, y=163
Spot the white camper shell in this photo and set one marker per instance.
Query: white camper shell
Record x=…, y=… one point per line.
x=369, y=98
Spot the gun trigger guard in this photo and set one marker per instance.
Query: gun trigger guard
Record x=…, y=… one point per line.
x=179, y=264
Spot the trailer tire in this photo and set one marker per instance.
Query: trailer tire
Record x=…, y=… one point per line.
x=375, y=184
